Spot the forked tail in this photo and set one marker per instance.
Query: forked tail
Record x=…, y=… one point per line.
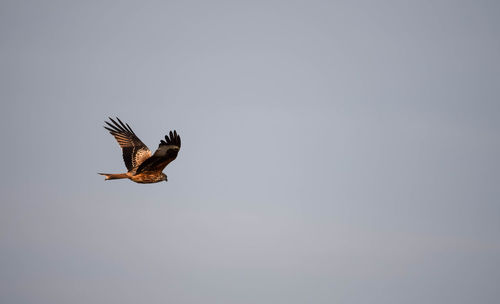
x=114, y=176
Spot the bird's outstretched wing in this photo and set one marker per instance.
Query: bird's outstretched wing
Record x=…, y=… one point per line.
x=167, y=151
x=135, y=152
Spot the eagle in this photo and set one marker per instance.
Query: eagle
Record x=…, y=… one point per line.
x=143, y=167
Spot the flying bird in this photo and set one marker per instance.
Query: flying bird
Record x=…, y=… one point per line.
x=143, y=167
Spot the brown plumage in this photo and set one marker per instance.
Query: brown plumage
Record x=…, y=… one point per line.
x=142, y=167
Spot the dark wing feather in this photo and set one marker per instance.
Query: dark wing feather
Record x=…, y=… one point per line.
x=167, y=151
x=134, y=150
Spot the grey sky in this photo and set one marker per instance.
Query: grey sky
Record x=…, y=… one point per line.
x=333, y=152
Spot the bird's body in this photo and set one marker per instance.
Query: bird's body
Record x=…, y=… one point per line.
x=143, y=167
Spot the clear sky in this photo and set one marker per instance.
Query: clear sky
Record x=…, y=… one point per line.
x=332, y=151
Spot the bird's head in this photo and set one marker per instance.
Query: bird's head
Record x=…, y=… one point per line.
x=164, y=177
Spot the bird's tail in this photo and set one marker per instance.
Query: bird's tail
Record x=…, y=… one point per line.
x=114, y=176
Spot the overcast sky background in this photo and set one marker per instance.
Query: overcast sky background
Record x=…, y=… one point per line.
x=332, y=151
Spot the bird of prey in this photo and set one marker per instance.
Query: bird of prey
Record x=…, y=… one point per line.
x=142, y=167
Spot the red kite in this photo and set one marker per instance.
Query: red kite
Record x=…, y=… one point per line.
x=142, y=167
